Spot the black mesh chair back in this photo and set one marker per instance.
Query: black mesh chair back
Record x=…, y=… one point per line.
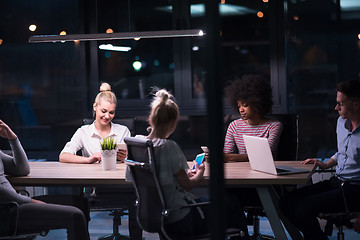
x=151, y=207
x=289, y=139
x=150, y=202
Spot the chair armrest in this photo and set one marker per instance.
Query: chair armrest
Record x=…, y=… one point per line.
x=318, y=170
x=195, y=205
x=7, y=209
x=135, y=163
x=192, y=205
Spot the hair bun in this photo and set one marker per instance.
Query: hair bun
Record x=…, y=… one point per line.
x=105, y=87
x=163, y=94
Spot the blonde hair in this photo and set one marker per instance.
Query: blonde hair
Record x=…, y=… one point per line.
x=105, y=94
x=164, y=111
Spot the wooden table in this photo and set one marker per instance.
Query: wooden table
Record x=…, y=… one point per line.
x=57, y=174
x=236, y=174
x=240, y=174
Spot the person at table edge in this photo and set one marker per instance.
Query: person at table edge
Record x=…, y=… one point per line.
x=303, y=205
x=34, y=215
x=251, y=96
x=87, y=139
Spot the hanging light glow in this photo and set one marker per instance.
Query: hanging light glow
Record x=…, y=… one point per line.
x=110, y=47
x=137, y=65
x=32, y=27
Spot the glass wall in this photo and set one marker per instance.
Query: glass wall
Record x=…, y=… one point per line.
x=305, y=47
x=41, y=86
x=245, y=42
x=322, y=49
x=147, y=62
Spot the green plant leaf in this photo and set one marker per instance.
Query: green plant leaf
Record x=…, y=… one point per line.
x=108, y=143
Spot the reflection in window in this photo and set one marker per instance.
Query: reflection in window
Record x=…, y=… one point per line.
x=322, y=49
x=132, y=74
x=245, y=41
x=149, y=62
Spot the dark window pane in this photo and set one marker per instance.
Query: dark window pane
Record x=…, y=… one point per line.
x=149, y=62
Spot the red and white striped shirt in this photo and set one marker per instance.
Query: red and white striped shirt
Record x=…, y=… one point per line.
x=234, y=142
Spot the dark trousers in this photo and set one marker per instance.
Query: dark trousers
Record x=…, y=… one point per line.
x=193, y=223
x=196, y=223
x=303, y=205
x=69, y=200
x=105, y=198
x=40, y=217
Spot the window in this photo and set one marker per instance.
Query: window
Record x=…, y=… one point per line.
x=322, y=50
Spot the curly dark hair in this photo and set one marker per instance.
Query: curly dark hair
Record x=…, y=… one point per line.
x=253, y=89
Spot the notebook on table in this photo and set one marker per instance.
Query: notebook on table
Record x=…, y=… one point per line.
x=261, y=158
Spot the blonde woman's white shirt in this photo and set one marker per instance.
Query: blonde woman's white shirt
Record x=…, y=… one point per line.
x=87, y=139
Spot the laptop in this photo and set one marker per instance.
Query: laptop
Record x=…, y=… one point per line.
x=261, y=159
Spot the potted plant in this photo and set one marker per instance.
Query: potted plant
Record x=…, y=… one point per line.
x=108, y=153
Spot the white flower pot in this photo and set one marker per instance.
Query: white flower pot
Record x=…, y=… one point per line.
x=108, y=159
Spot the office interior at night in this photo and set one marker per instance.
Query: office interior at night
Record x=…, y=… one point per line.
x=304, y=48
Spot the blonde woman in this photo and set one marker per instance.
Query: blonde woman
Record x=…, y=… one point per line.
x=174, y=176
x=87, y=138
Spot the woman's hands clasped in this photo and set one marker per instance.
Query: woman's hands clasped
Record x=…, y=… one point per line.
x=6, y=132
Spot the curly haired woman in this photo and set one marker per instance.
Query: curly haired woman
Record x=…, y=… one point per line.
x=251, y=95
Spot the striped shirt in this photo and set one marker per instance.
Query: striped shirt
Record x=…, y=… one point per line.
x=234, y=142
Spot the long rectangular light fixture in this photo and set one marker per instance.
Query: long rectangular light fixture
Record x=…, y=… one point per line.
x=114, y=36
x=110, y=47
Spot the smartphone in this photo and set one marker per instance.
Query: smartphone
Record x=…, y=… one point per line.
x=122, y=146
x=199, y=159
x=205, y=149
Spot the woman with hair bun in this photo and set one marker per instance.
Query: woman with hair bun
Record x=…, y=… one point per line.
x=173, y=167
x=87, y=138
x=174, y=176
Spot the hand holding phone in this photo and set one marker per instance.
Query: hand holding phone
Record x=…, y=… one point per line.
x=199, y=159
x=121, y=152
x=122, y=146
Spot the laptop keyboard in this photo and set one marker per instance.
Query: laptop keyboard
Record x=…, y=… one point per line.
x=280, y=170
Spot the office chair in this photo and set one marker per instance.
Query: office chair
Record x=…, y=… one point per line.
x=109, y=199
x=151, y=208
x=9, y=222
x=340, y=219
x=287, y=151
x=288, y=146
